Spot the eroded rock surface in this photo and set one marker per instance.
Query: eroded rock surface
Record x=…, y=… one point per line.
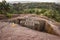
x=11, y=31
x=35, y=22
x=40, y=23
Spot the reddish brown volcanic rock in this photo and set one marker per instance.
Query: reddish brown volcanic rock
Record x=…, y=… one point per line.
x=40, y=23
x=37, y=22
x=11, y=31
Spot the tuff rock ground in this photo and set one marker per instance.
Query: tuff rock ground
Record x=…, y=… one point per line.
x=29, y=27
x=10, y=31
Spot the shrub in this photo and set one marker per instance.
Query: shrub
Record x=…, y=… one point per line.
x=8, y=15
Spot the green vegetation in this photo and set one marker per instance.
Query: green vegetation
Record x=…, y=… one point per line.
x=50, y=10
x=8, y=15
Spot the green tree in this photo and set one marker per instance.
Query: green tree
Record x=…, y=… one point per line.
x=5, y=7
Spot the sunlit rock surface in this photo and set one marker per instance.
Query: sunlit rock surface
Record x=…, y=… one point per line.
x=11, y=31
x=40, y=23
x=37, y=22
